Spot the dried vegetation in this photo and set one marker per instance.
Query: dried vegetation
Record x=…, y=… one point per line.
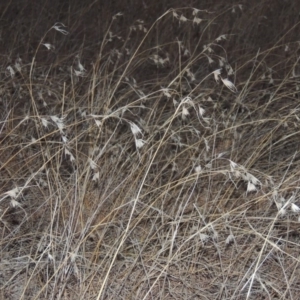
x=149, y=152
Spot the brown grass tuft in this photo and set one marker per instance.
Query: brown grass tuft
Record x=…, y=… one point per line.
x=149, y=153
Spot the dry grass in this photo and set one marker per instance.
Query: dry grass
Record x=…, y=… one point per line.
x=150, y=156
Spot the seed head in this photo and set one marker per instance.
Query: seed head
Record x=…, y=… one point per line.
x=229, y=85
x=295, y=208
x=135, y=129
x=251, y=187
x=139, y=143
x=217, y=74
x=57, y=26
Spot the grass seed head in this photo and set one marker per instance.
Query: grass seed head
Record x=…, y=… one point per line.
x=13, y=193
x=135, y=129
x=217, y=74
x=58, y=27
x=251, y=187
x=184, y=113
x=166, y=92
x=96, y=176
x=183, y=18
x=229, y=239
x=15, y=203
x=295, y=208
x=203, y=237
x=11, y=71
x=49, y=46
x=282, y=211
x=233, y=165
x=59, y=122
x=93, y=165
x=229, y=85
x=197, y=20
x=139, y=143
x=198, y=169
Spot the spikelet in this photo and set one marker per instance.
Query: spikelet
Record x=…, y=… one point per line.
x=229, y=85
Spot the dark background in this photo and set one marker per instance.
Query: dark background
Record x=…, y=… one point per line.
x=23, y=23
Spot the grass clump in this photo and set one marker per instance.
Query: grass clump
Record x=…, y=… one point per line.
x=152, y=158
